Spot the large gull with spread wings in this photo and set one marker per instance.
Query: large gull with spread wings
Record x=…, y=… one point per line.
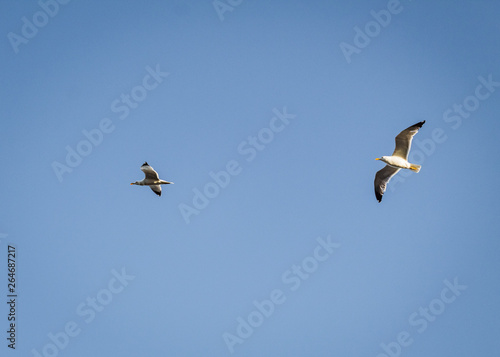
x=152, y=180
x=398, y=160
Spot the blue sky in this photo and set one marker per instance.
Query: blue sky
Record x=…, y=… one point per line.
x=290, y=254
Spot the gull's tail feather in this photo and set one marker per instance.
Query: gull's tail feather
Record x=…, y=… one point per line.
x=415, y=168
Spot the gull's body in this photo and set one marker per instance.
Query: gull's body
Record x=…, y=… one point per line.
x=152, y=180
x=398, y=160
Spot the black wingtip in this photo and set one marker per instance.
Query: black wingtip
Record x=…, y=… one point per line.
x=378, y=196
x=420, y=124
x=145, y=164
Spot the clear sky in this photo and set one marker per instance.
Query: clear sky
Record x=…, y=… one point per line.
x=268, y=116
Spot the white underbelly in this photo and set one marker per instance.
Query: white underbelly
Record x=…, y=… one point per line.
x=398, y=162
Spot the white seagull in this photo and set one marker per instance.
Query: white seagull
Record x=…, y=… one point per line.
x=152, y=180
x=397, y=161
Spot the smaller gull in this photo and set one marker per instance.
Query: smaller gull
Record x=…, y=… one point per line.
x=398, y=160
x=152, y=180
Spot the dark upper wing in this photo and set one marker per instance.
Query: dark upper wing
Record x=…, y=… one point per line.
x=403, y=140
x=382, y=178
x=150, y=173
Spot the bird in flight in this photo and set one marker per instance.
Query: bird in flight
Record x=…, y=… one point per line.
x=398, y=160
x=152, y=180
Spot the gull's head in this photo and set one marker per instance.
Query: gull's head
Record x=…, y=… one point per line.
x=383, y=158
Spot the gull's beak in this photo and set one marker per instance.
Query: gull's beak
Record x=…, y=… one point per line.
x=377, y=158
x=132, y=183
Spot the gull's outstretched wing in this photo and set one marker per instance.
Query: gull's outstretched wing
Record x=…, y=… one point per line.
x=403, y=140
x=156, y=189
x=382, y=178
x=151, y=174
